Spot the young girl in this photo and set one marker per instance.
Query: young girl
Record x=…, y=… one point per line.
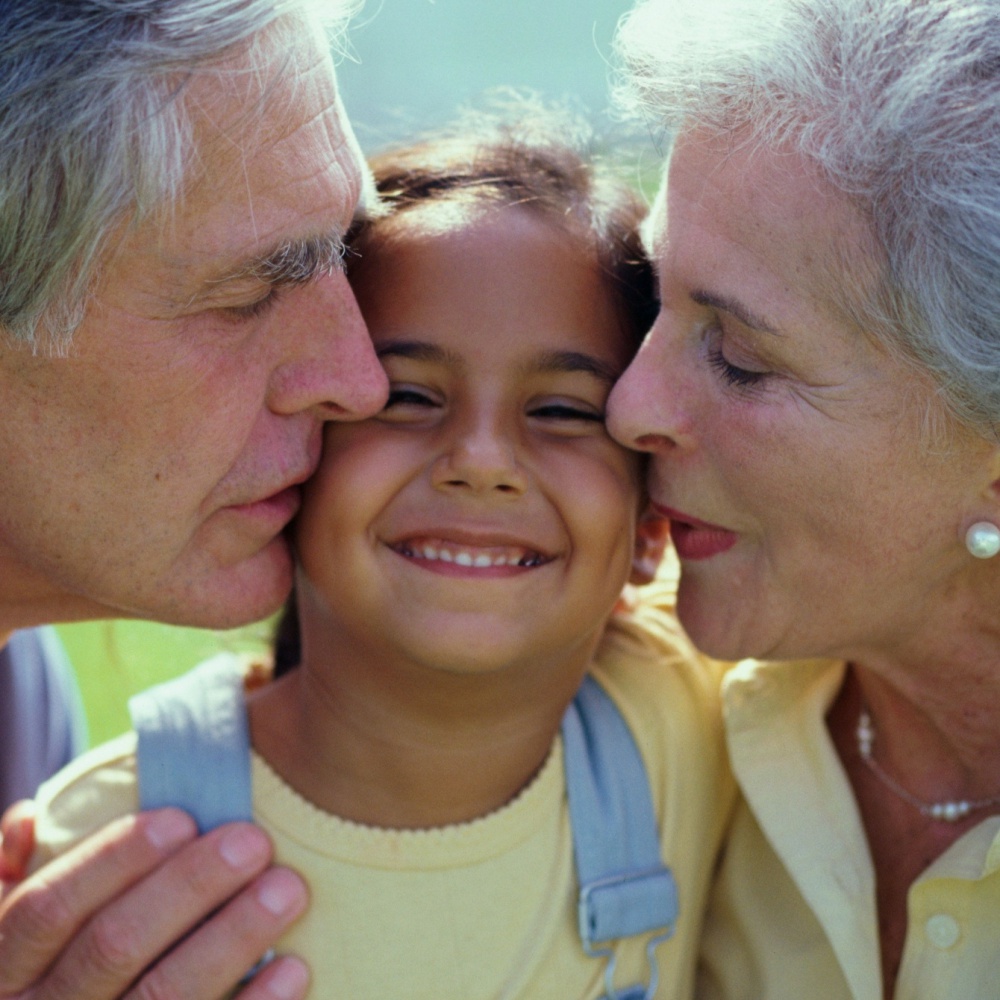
x=459, y=559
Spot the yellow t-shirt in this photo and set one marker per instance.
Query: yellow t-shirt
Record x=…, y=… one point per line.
x=485, y=909
x=793, y=913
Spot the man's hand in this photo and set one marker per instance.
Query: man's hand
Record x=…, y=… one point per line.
x=17, y=842
x=124, y=914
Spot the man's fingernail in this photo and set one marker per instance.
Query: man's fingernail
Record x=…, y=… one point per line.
x=169, y=828
x=243, y=847
x=280, y=892
x=287, y=980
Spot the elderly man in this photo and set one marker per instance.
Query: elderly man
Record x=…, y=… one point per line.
x=175, y=180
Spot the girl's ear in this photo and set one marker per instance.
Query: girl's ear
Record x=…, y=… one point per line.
x=651, y=535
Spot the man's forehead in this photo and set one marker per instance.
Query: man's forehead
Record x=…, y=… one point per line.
x=281, y=184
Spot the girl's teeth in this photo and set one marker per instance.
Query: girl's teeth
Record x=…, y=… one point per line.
x=480, y=560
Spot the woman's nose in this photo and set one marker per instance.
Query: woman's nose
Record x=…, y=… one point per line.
x=646, y=409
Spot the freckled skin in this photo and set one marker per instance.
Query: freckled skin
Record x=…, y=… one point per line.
x=126, y=466
x=849, y=526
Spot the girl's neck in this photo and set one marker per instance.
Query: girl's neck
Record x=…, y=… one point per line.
x=405, y=747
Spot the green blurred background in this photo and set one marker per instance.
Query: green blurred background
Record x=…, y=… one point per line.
x=412, y=64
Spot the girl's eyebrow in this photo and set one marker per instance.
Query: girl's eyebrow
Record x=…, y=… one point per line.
x=547, y=362
x=419, y=350
x=576, y=361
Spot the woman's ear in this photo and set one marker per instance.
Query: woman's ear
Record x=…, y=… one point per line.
x=651, y=535
x=982, y=528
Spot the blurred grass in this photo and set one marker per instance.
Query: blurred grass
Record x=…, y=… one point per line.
x=115, y=659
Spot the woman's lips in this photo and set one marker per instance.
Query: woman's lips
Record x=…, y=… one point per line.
x=694, y=539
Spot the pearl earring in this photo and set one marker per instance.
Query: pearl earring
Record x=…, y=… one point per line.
x=983, y=540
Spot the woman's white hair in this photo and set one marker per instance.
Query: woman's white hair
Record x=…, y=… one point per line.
x=91, y=132
x=898, y=103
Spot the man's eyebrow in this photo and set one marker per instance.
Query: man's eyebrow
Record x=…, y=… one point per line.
x=737, y=309
x=293, y=262
x=576, y=361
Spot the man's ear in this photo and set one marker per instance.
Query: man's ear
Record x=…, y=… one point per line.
x=651, y=535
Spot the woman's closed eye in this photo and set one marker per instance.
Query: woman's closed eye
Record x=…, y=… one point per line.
x=733, y=375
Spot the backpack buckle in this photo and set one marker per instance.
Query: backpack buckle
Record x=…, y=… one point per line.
x=623, y=906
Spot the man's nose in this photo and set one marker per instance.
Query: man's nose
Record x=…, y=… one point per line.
x=329, y=365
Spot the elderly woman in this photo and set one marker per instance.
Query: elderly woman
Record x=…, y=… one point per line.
x=821, y=399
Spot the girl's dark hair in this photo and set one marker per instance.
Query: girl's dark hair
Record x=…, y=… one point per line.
x=525, y=155
x=522, y=155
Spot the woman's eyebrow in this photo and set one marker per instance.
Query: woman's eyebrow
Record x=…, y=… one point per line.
x=746, y=316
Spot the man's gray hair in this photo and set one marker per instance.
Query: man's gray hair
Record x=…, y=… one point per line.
x=91, y=132
x=898, y=103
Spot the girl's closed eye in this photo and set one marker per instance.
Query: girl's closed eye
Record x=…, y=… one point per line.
x=566, y=411
x=566, y=414
x=408, y=396
x=409, y=404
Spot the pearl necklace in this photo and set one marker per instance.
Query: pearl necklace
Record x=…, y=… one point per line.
x=948, y=812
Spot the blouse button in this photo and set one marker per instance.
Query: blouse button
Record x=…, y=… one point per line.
x=943, y=930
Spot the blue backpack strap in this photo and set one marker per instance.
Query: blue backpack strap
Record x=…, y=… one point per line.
x=625, y=888
x=193, y=747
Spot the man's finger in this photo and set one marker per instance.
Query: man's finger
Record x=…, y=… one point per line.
x=218, y=955
x=123, y=942
x=42, y=914
x=286, y=978
x=17, y=840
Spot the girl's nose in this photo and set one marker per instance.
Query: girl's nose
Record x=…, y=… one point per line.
x=481, y=459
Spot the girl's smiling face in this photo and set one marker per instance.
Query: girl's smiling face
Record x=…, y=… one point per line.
x=485, y=518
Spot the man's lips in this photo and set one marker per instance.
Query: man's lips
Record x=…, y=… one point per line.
x=696, y=539
x=292, y=487
x=276, y=509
